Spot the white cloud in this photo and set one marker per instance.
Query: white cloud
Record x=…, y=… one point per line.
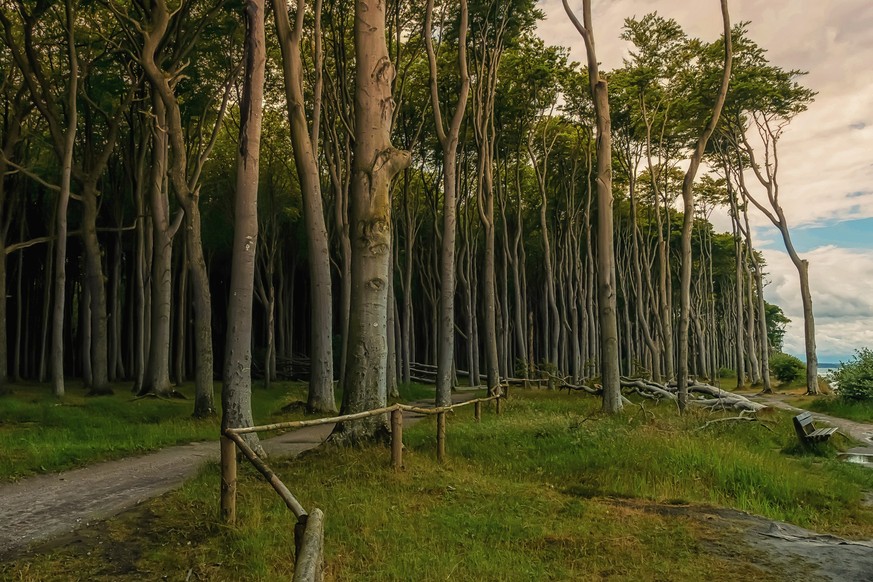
x=840, y=280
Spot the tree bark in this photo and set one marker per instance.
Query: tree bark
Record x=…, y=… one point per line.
x=606, y=290
x=376, y=163
x=449, y=141
x=688, y=209
x=305, y=142
x=237, y=392
x=62, y=205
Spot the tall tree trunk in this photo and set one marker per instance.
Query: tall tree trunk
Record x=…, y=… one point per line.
x=375, y=165
x=606, y=289
x=237, y=392
x=188, y=197
x=94, y=280
x=305, y=142
x=62, y=205
x=688, y=209
x=157, y=372
x=448, y=137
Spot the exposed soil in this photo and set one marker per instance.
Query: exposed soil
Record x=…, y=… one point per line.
x=791, y=552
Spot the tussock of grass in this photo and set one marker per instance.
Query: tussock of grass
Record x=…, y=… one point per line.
x=551, y=490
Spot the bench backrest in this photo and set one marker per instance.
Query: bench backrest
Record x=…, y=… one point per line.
x=803, y=422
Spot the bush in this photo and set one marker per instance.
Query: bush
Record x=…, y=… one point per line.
x=855, y=378
x=786, y=368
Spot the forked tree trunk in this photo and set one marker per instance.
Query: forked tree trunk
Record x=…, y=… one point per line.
x=376, y=163
x=187, y=194
x=449, y=141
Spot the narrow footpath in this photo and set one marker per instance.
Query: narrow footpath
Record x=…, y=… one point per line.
x=38, y=509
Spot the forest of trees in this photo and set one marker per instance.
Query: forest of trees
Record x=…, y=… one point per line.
x=427, y=188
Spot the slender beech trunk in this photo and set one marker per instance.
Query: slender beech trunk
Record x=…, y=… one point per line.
x=766, y=175
x=688, y=209
x=62, y=205
x=449, y=141
x=305, y=142
x=157, y=372
x=237, y=392
x=762, y=311
x=94, y=280
x=739, y=308
x=375, y=165
x=606, y=288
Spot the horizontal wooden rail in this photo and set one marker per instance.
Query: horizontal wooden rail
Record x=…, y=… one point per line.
x=316, y=422
x=356, y=416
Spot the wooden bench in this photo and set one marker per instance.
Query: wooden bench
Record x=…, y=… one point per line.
x=806, y=431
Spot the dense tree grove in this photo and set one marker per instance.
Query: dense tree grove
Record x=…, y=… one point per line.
x=429, y=190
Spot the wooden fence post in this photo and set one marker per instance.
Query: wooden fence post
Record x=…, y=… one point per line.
x=441, y=436
x=228, y=480
x=397, y=439
x=477, y=407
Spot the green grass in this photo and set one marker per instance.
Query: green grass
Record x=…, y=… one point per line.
x=859, y=411
x=40, y=433
x=551, y=490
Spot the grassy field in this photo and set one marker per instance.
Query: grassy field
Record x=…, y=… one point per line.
x=853, y=410
x=40, y=433
x=551, y=490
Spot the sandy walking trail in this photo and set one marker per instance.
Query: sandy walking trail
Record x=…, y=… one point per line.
x=38, y=509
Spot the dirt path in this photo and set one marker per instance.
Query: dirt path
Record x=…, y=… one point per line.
x=40, y=508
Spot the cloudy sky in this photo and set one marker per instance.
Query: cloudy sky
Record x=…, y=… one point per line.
x=826, y=154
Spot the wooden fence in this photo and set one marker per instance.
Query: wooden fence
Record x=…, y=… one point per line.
x=309, y=529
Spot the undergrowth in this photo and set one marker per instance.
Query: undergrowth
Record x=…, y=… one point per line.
x=551, y=490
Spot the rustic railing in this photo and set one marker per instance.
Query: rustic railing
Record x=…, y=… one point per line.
x=309, y=529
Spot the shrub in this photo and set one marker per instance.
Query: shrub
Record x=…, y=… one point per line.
x=855, y=378
x=786, y=368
